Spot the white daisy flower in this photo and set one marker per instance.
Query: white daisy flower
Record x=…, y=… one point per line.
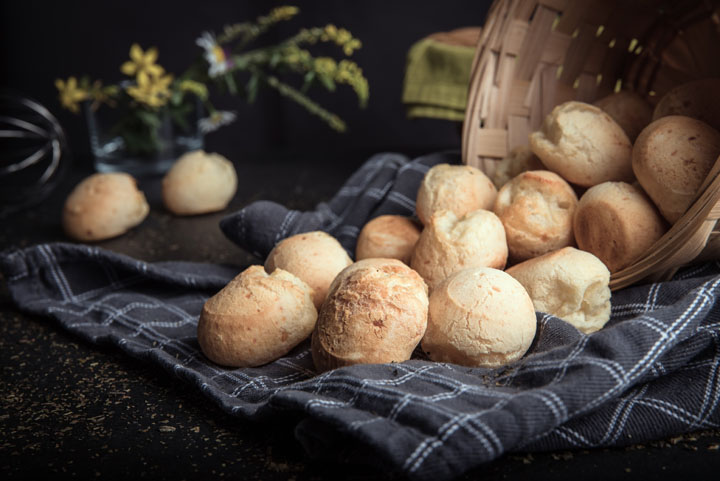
x=217, y=119
x=214, y=54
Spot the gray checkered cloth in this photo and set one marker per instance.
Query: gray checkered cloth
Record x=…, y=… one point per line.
x=652, y=372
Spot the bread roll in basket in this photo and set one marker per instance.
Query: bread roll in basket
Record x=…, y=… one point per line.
x=536, y=54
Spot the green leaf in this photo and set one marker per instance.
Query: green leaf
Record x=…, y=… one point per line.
x=231, y=85
x=252, y=87
x=308, y=81
x=327, y=82
x=151, y=119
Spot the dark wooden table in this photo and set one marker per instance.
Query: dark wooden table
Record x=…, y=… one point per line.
x=72, y=409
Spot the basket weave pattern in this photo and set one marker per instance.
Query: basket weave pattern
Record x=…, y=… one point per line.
x=533, y=55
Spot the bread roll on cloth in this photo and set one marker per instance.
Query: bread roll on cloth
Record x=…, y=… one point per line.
x=388, y=236
x=375, y=312
x=618, y=223
x=570, y=284
x=315, y=257
x=584, y=145
x=459, y=188
x=199, y=183
x=449, y=244
x=479, y=317
x=536, y=208
x=671, y=159
x=256, y=318
x=103, y=206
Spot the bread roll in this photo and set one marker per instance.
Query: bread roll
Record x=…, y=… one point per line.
x=479, y=317
x=617, y=222
x=375, y=312
x=104, y=206
x=256, y=318
x=199, y=183
x=388, y=236
x=519, y=160
x=699, y=99
x=315, y=257
x=449, y=244
x=632, y=112
x=459, y=188
x=570, y=284
x=536, y=208
x=671, y=159
x=584, y=145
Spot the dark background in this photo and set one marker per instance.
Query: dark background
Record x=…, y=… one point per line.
x=41, y=41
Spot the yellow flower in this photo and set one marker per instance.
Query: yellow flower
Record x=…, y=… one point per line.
x=142, y=62
x=151, y=90
x=200, y=90
x=70, y=93
x=283, y=13
x=325, y=66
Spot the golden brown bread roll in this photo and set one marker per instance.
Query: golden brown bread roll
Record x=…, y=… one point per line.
x=375, y=312
x=584, y=145
x=256, y=318
x=479, y=317
x=570, y=284
x=699, y=99
x=315, y=257
x=388, y=236
x=449, y=244
x=632, y=112
x=536, y=208
x=618, y=223
x=104, y=206
x=199, y=183
x=671, y=159
x=459, y=188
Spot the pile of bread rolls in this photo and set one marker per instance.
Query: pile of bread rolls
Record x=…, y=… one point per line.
x=106, y=205
x=594, y=189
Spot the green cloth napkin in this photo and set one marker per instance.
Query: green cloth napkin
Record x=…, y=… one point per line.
x=437, y=76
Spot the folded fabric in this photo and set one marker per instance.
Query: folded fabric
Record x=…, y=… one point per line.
x=651, y=372
x=437, y=74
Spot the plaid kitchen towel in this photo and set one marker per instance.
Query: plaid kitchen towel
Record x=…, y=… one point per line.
x=650, y=373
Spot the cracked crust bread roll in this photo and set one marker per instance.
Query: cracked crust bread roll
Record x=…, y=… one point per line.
x=375, y=312
x=570, y=284
x=699, y=99
x=671, y=159
x=103, y=206
x=315, y=257
x=256, y=318
x=519, y=160
x=584, y=145
x=479, y=317
x=536, y=208
x=199, y=183
x=388, y=236
x=632, y=112
x=459, y=188
x=449, y=244
x=617, y=223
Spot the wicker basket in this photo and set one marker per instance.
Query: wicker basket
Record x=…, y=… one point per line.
x=533, y=55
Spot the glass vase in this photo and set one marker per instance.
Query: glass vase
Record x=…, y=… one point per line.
x=167, y=139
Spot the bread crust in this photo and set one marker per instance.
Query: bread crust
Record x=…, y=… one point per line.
x=103, y=206
x=375, y=312
x=632, y=112
x=536, y=209
x=315, y=257
x=570, y=284
x=388, y=236
x=459, y=188
x=699, y=99
x=584, y=145
x=449, y=244
x=671, y=159
x=479, y=317
x=256, y=318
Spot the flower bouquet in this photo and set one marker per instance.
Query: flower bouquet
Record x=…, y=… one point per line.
x=157, y=116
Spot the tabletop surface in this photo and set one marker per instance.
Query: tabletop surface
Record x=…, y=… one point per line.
x=73, y=409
